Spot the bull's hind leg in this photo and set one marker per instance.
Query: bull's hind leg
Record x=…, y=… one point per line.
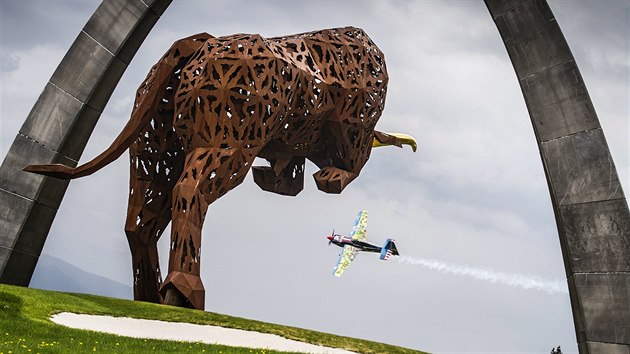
x=144, y=226
x=157, y=159
x=153, y=176
x=156, y=164
x=208, y=174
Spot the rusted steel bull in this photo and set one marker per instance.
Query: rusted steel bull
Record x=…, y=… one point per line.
x=209, y=107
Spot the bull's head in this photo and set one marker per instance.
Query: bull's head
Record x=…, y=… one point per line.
x=338, y=166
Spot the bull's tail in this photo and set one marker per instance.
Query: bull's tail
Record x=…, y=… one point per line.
x=148, y=98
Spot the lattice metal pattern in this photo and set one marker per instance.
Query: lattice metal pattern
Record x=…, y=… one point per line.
x=209, y=107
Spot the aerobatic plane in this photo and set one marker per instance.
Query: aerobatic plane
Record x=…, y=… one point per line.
x=357, y=242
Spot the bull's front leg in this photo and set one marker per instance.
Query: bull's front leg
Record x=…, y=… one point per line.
x=333, y=180
x=285, y=176
x=208, y=174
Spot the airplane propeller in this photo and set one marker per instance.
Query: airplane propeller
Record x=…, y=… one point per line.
x=333, y=235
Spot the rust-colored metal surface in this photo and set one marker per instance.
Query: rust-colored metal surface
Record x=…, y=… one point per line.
x=209, y=107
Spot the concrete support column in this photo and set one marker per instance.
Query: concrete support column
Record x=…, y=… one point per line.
x=590, y=208
x=59, y=125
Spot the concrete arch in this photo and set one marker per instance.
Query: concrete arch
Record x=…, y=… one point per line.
x=589, y=205
x=60, y=124
x=590, y=208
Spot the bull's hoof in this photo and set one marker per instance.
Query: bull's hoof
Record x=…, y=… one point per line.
x=174, y=298
x=332, y=179
x=266, y=179
x=183, y=290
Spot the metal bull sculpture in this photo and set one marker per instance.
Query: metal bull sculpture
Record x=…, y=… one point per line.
x=209, y=107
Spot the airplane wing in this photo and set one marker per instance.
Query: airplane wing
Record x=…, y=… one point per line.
x=360, y=227
x=346, y=256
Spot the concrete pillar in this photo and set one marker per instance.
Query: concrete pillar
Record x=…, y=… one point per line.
x=590, y=208
x=59, y=125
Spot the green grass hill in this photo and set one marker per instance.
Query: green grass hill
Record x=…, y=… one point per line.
x=25, y=327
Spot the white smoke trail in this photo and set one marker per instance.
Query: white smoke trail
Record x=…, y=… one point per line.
x=511, y=279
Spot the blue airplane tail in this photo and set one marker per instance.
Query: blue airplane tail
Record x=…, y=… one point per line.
x=388, y=250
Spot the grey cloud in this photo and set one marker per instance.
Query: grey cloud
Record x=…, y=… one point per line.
x=8, y=62
x=20, y=19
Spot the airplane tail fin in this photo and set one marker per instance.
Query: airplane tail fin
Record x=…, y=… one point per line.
x=389, y=249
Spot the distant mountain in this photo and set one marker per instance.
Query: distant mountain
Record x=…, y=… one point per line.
x=56, y=274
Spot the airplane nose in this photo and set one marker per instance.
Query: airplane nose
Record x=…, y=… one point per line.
x=329, y=237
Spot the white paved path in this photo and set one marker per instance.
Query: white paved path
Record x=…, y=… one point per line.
x=132, y=327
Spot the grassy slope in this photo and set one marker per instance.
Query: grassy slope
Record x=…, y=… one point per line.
x=25, y=326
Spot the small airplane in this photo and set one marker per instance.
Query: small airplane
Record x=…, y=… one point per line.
x=357, y=242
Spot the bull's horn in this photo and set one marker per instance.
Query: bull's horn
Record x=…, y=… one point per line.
x=397, y=139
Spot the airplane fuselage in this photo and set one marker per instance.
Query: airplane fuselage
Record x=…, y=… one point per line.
x=356, y=243
x=342, y=241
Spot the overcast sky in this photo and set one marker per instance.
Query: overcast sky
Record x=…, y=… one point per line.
x=473, y=199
